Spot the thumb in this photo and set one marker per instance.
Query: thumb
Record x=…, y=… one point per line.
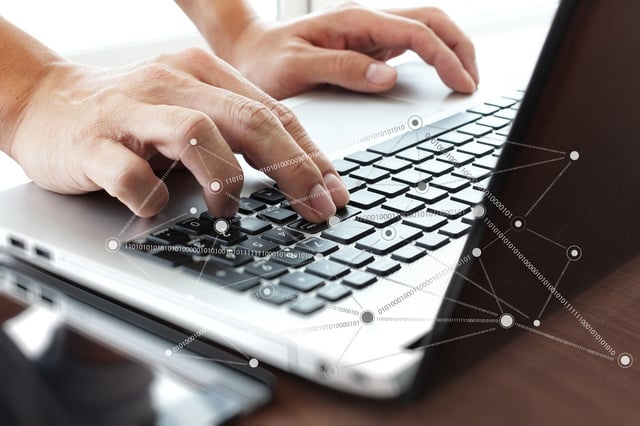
x=351, y=70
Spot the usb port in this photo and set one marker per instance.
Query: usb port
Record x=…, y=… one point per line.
x=17, y=243
x=45, y=254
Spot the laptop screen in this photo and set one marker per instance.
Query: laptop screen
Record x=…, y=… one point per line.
x=561, y=209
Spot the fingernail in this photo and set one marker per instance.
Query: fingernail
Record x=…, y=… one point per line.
x=380, y=74
x=336, y=188
x=321, y=201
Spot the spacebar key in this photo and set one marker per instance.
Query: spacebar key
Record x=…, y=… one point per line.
x=223, y=275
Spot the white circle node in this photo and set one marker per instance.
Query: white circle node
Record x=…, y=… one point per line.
x=367, y=317
x=625, y=360
x=113, y=245
x=193, y=142
x=423, y=187
x=318, y=257
x=221, y=226
x=215, y=186
x=415, y=122
x=476, y=252
x=168, y=352
x=253, y=363
x=506, y=321
x=479, y=211
x=536, y=323
x=574, y=155
x=334, y=221
x=193, y=210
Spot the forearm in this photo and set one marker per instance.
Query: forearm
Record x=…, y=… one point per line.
x=24, y=63
x=219, y=21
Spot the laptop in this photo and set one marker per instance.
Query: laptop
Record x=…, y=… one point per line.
x=487, y=217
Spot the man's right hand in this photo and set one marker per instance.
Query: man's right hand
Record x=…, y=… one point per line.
x=83, y=129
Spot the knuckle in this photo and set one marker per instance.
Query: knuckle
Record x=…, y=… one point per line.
x=197, y=54
x=191, y=125
x=255, y=116
x=157, y=71
x=437, y=13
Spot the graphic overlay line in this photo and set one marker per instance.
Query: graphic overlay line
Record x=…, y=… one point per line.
x=547, y=190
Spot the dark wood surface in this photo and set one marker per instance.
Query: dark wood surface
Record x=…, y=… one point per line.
x=531, y=380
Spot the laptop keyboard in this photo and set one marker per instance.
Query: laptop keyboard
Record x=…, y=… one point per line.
x=409, y=195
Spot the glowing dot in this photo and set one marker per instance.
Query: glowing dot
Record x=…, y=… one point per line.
x=479, y=211
x=414, y=122
x=476, y=252
x=215, y=186
x=536, y=323
x=318, y=257
x=625, y=360
x=253, y=363
x=367, y=317
x=168, y=352
x=113, y=244
x=506, y=321
x=221, y=226
x=423, y=186
x=193, y=142
x=574, y=155
x=193, y=210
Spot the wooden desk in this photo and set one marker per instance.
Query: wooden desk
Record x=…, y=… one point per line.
x=529, y=381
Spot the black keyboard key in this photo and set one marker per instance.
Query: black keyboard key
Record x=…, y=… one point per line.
x=476, y=149
x=389, y=188
x=276, y=295
x=415, y=155
x=383, y=267
x=366, y=199
x=501, y=102
x=169, y=236
x=278, y=215
x=389, y=239
x=393, y=165
x=304, y=225
x=413, y=177
x=266, y=268
x=456, y=158
x=292, y=258
x=223, y=275
x=428, y=195
x=434, y=167
x=317, y=246
x=352, y=184
x=435, y=146
x=347, y=212
x=231, y=237
x=379, y=217
x=344, y=167
x=408, y=254
x=252, y=225
x=230, y=256
x=428, y=222
x=334, y=292
x=433, y=241
x=307, y=305
x=455, y=138
x=493, y=122
x=268, y=195
x=370, y=174
x=359, y=279
x=328, y=269
x=403, y=206
x=194, y=226
x=352, y=257
x=301, y=281
x=363, y=157
x=450, y=183
x=347, y=232
x=249, y=205
x=283, y=236
x=468, y=196
x=172, y=258
x=198, y=247
x=449, y=209
x=258, y=247
x=484, y=109
x=455, y=229
x=475, y=130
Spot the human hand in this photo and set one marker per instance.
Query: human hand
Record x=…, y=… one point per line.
x=348, y=46
x=84, y=129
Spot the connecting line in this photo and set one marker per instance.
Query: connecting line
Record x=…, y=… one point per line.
x=446, y=320
x=213, y=154
x=482, y=288
x=195, y=286
x=135, y=265
x=162, y=225
x=155, y=188
x=221, y=361
x=526, y=165
x=536, y=147
x=490, y=285
x=547, y=190
x=449, y=299
x=442, y=342
x=553, y=290
x=566, y=342
x=349, y=345
x=356, y=300
x=203, y=163
x=495, y=239
x=545, y=238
